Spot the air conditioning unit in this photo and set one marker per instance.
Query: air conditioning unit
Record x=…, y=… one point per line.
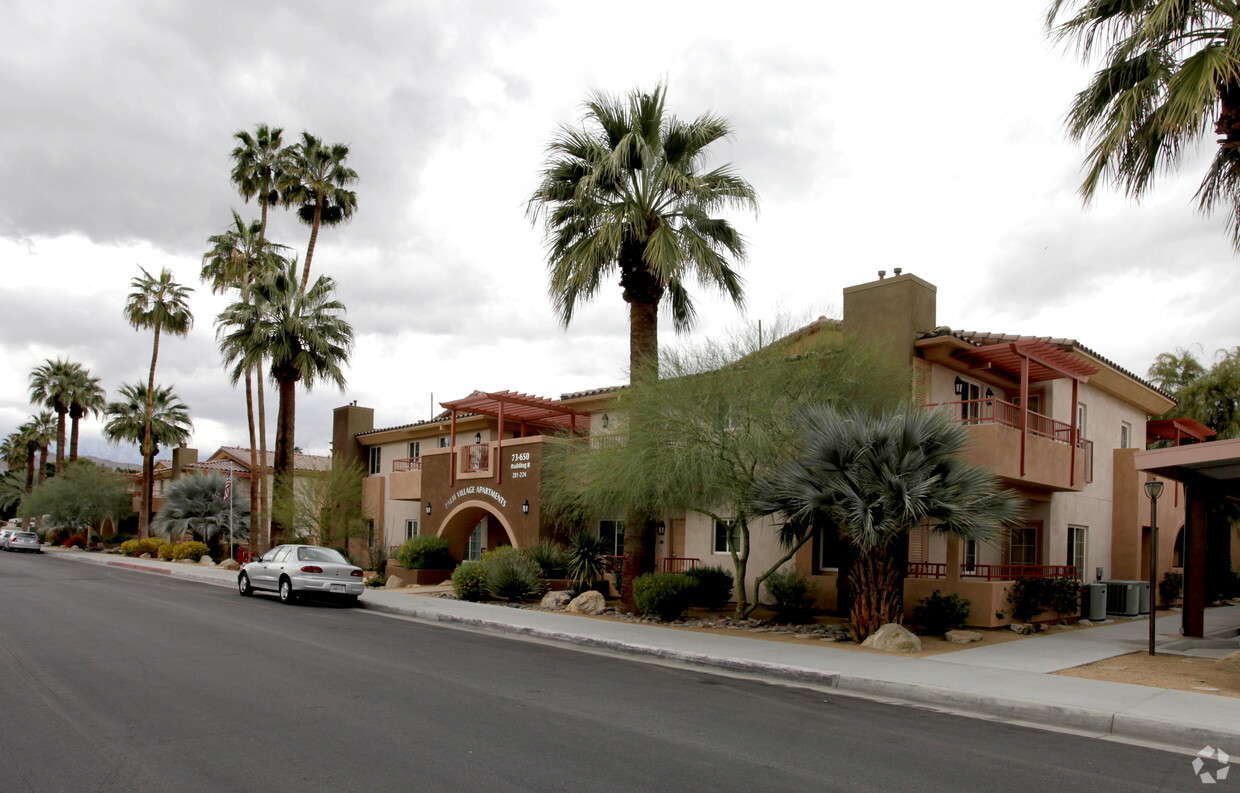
x=1128, y=598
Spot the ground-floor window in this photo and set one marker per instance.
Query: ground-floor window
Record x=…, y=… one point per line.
x=411, y=529
x=726, y=533
x=1076, y=550
x=612, y=534
x=1023, y=545
x=826, y=550
x=474, y=551
x=370, y=533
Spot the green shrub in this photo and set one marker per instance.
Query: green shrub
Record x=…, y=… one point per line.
x=665, y=595
x=712, y=587
x=187, y=550
x=1170, y=589
x=510, y=574
x=425, y=552
x=152, y=545
x=587, y=558
x=551, y=558
x=118, y=539
x=792, y=595
x=131, y=547
x=941, y=613
x=1063, y=596
x=467, y=581
x=1030, y=597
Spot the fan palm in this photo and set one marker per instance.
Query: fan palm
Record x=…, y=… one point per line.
x=16, y=454
x=306, y=338
x=259, y=161
x=86, y=396
x=1169, y=76
x=196, y=505
x=316, y=181
x=51, y=385
x=38, y=432
x=148, y=419
x=159, y=304
x=626, y=193
x=874, y=477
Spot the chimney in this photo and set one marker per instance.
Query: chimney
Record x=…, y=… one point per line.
x=891, y=314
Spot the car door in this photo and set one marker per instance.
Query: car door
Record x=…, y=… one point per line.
x=265, y=573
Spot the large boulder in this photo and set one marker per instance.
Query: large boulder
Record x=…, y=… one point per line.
x=963, y=637
x=893, y=638
x=588, y=603
x=556, y=600
x=230, y=564
x=394, y=582
x=206, y=561
x=1229, y=663
x=1024, y=628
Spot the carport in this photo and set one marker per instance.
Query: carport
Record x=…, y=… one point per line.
x=1209, y=472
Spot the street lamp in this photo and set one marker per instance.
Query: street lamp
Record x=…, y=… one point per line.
x=1153, y=489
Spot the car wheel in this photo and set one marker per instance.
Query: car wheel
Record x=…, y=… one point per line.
x=243, y=585
x=287, y=595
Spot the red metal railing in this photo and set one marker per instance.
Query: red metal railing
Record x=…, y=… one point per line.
x=662, y=564
x=477, y=458
x=992, y=572
x=407, y=464
x=997, y=411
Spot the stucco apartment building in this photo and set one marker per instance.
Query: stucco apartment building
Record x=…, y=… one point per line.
x=1057, y=421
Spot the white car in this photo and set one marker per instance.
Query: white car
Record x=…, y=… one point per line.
x=4, y=537
x=294, y=571
x=23, y=541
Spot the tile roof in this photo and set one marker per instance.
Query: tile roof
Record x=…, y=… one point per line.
x=301, y=462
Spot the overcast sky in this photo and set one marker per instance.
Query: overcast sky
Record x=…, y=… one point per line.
x=910, y=138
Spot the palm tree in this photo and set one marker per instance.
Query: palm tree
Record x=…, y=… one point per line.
x=196, y=505
x=1170, y=75
x=160, y=305
x=259, y=160
x=85, y=396
x=14, y=452
x=50, y=386
x=316, y=181
x=39, y=433
x=304, y=334
x=874, y=477
x=626, y=193
x=147, y=418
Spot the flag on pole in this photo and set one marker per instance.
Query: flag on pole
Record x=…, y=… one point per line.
x=228, y=486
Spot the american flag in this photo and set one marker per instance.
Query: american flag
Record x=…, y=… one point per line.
x=228, y=486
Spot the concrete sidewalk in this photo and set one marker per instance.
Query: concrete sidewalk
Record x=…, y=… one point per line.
x=1008, y=680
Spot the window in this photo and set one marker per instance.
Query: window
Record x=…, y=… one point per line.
x=376, y=459
x=1023, y=546
x=612, y=533
x=969, y=393
x=474, y=551
x=970, y=555
x=415, y=450
x=443, y=442
x=1076, y=550
x=1125, y=435
x=1080, y=419
x=411, y=529
x=726, y=534
x=827, y=554
x=370, y=533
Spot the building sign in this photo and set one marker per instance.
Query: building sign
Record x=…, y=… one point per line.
x=475, y=490
x=518, y=465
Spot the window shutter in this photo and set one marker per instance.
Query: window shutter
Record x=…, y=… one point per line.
x=921, y=381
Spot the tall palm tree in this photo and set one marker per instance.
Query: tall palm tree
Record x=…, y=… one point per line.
x=15, y=453
x=626, y=193
x=873, y=477
x=158, y=304
x=86, y=396
x=147, y=418
x=306, y=337
x=259, y=160
x=50, y=386
x=39, y=433
x=316, y=181
x=1169, y=76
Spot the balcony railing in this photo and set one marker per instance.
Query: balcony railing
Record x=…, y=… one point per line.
x=662, y=564
x=997, y=411
x=477, y=458
x=992, y=572
x=407, y=464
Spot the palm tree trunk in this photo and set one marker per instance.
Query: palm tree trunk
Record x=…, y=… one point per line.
x=42, y=465
x=75, y=416
x=249, y=413
x=875, y=584
x=60, y=439
x=264, y=486
x=148, y=465
x=314, y=235
x=286, y=420
x=30, y=464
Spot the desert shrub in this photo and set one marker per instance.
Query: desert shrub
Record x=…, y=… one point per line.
x=510, y=574
x=551, y=558
x=376, y=557
x=792, y=595
x=467, y=581
x=712, y=587
x=376, y=581
x=165, y=551
x=118, y=539
x=665, y=595
x=941, y=613
x=75, y=541
x=188, y=550
x=131, y=547
x=151, y=545
x=1170, y=589
x=1063, y=596
x=424, y=552
x=587, y=558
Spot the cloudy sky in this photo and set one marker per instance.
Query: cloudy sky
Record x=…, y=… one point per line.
x=910, y=138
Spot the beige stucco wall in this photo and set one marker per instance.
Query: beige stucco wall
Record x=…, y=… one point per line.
x=699, y=539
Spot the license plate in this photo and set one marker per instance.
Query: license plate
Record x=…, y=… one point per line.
x=337, y=587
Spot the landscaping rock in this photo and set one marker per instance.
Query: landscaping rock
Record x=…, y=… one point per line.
x=1229, y=663
x=1084, y=623
x=206, y=561
x=588, y=603
x=1023, y=628
x=229, y=564
x=893, y=638
x=555, y=600
x=394, y=582
x=144, y=556
x=963, y=637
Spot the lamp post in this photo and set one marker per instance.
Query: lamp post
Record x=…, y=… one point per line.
x=1153, y=489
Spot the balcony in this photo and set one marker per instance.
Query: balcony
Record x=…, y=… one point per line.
x=1045, y=459
x=992, y=572
x=405, y=481
x=407, y=464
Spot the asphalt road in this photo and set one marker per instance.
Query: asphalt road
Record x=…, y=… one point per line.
x=112, y=680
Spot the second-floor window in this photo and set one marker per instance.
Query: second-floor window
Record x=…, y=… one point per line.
x=1125, y=435
x=415, y=449
x=376, y=459
x=1081, y=413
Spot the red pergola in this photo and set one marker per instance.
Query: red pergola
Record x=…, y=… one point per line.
x=526, y=409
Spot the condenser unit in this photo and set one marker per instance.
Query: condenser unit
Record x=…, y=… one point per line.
x=1128, y=598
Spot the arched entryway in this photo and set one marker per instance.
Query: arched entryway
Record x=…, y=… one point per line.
x=469, y=517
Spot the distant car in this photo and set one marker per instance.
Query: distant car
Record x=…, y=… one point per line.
x=23, y=541
x=5, y=534
x=294, y=571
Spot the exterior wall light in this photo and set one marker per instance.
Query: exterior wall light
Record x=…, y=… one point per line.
x=606, y=420
x=477, y=438
x=428, y=507
x=525, y=507
x=661, y=527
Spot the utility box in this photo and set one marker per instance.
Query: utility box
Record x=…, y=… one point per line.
x=1128, y=598
x=1094, y=607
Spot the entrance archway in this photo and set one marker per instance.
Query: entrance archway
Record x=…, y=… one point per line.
x=460, y=523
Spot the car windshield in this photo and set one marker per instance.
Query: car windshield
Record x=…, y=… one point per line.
x=26, y=535
x=311, y=554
